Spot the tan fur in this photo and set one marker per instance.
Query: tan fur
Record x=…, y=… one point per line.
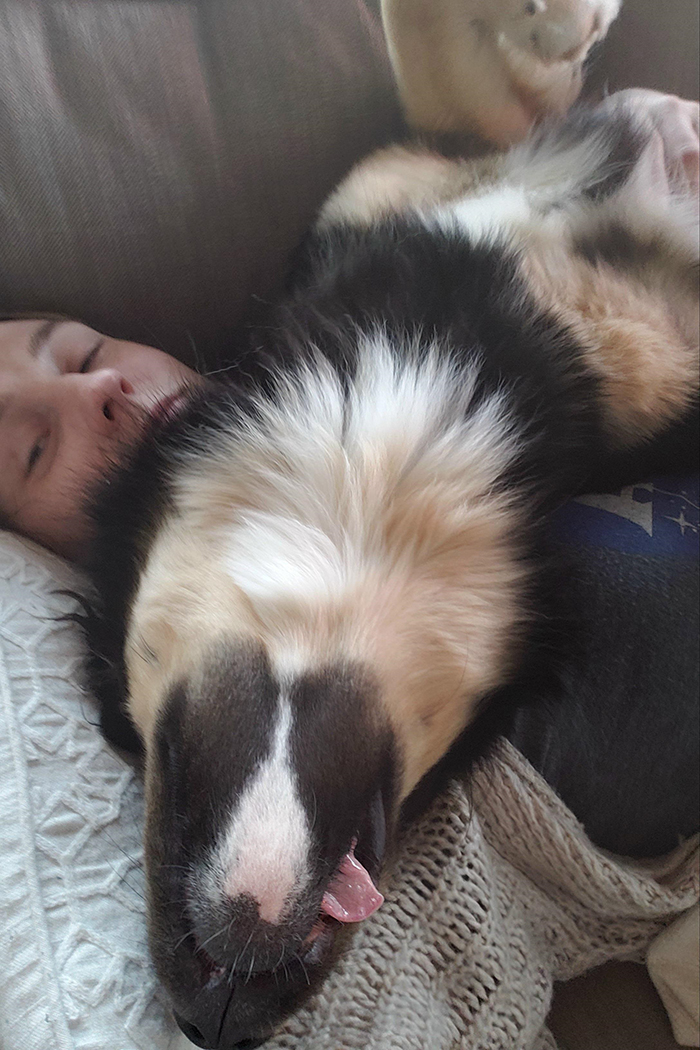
x=431, y=601
x=642, y=343
x=400, y=178
x=183, y=607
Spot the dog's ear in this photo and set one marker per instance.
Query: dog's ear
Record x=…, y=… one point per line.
x=105, y=676
x=118, y=729
x=107, y=682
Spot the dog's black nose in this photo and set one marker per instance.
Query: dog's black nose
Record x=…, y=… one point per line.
x=211, y=1041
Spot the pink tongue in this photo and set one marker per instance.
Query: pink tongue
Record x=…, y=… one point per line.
x=351, y=896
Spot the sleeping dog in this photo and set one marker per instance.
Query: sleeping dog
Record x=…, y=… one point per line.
x=316, y=577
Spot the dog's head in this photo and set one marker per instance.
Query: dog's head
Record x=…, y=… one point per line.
x=296, y=640
x=268, y=804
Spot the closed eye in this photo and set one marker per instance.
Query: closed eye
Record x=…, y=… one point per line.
x=90, y=359
x=36, y=452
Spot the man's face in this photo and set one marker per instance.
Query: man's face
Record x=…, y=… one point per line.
x=72, y=402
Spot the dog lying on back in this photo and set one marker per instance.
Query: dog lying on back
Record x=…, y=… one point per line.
x=317, y=576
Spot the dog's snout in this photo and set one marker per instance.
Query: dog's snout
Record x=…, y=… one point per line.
x=232, y=1014
x=253, y=823
x=204, y=1024
x=235, y=937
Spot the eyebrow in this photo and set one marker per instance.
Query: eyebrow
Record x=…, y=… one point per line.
x=41, y=334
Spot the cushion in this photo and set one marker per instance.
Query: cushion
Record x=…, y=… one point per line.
x=650, y=46
x=160, y=159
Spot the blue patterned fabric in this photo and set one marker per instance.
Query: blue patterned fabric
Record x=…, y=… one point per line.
x=657, y=518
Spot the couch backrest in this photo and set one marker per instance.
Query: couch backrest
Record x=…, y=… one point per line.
x=651, y=44
x=158, y=159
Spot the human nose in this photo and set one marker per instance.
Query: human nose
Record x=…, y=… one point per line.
x=103, y=394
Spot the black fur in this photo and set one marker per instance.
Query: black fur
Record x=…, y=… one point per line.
x=412, y=283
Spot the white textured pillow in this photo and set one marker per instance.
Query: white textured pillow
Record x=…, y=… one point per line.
x=75, y=972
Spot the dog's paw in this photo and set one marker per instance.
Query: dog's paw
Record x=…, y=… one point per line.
x=491, y=66
x=544, y=44
x=556, y=30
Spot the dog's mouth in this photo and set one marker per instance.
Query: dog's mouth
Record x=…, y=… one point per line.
x=350, y=897
x=228, y=991
x=318, y=943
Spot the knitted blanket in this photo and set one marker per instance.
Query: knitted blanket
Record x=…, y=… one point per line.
x=487, y=905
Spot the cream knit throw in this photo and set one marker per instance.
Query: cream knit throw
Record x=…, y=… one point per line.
x=485, y=908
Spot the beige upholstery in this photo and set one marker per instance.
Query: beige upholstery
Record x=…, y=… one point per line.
x=652, y=44
x=158, y=159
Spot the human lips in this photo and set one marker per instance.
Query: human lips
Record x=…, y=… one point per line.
x=168, y=407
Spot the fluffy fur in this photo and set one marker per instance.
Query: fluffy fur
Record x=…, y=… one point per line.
x=315, y=579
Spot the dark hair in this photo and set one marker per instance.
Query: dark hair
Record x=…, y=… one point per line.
x=35, y=315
